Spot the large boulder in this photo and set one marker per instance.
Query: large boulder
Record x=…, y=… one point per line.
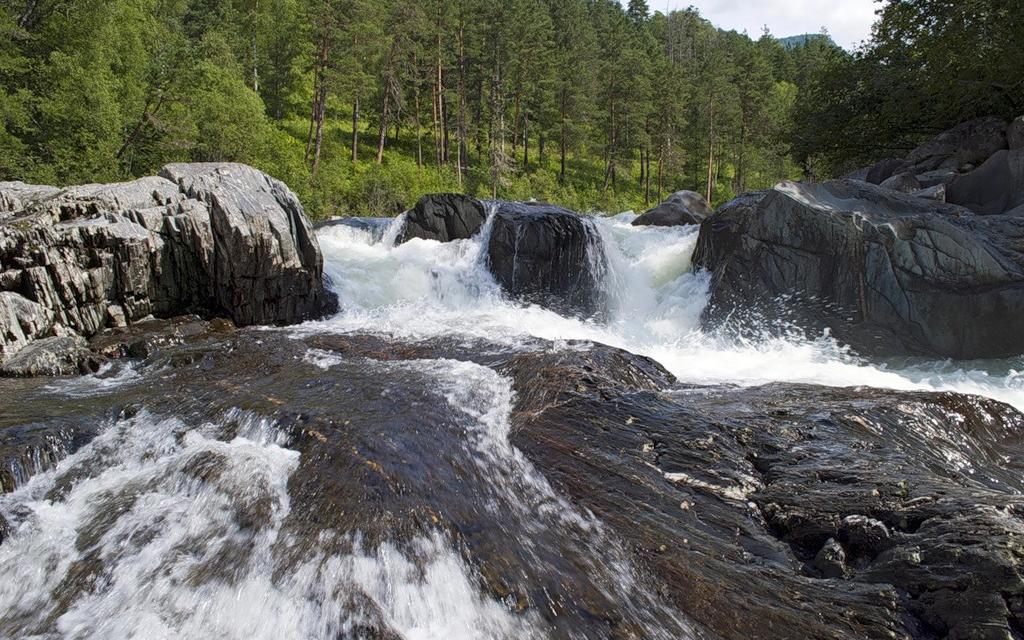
x=681, y=208
x=994, y=187
x=968, y=143
x=1015, y=133
x=268, y=266
x=444, y=217
x=547, y=255
x=889, y=274
x=882, y=170
x=215, y=239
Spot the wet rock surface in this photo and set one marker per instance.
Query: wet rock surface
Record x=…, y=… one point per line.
x=215, y=239
x=589, y=493
x=886, y=273
x=547, y=255
x=682, y=207
x=444, y=217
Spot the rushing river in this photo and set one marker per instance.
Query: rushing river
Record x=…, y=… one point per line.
x=192, y=514
x=421, y=289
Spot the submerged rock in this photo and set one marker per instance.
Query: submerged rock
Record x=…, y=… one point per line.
x=886, y=273
x=682, y=207
x=549, y=256
x=216, y=239
x=444, y=217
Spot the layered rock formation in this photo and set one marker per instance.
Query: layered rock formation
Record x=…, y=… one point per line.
x=929, y=262
x=215, y=239
x=888, y=273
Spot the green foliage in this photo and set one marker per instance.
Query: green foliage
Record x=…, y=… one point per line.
x=929, y=65
x=361, y=106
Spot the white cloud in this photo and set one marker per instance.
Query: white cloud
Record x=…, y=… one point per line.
x=848, y=21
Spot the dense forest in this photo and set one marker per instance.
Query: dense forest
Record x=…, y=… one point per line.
x=363, y=105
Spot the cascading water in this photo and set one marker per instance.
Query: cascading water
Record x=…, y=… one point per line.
x=386, y=499
x=422, y=289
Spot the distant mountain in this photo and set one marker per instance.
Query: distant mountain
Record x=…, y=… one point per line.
x=792, y=42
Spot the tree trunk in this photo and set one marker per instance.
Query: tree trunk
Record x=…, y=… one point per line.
x=711, y=153
x=526, y=143
x=355, y=129
x=416, y=122
x=383, y=126
x=463, y=148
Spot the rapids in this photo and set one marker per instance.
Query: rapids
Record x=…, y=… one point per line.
x=360, y=476
x=424, y=289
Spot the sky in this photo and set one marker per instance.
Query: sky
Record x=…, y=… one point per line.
x=848, y=21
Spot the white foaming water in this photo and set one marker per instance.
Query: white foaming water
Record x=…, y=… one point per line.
x=422, y=289
x=158, y=529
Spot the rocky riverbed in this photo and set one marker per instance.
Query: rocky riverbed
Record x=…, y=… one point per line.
x=506, y=420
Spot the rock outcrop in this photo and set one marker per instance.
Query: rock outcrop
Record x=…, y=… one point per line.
x=444, y=217
x=215, y=239
x=889, y=274
x=681, y=208
x=549, y=256
x=995, y=187
x=621, y=503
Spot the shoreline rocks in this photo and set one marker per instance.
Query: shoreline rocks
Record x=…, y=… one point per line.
x=887, y=273
x=216, y=239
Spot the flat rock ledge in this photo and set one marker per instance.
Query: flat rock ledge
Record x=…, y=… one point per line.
x=213, y=239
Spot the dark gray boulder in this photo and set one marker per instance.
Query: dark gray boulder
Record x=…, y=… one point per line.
x=936, y=177
x=681, y=208
x=889, y=274
x=970, y=142
x=1015, y=133
x=214, y=239
x=549, y=256
x=883, y=170
x=904, y=182
x=994, y=187
x=444, y=217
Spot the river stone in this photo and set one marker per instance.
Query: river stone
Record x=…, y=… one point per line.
x=970, y=142
x=887, y=273
x=549, y=256
x=937, y=177
x=56, y=356
x=994, y=187
x=444, y=217
x=904, y=182
x=830, y=561
x=681, y=208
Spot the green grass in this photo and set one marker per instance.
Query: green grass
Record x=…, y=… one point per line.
x=362, y=188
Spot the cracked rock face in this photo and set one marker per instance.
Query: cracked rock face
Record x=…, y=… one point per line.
x=886, y=273
x=214, y=239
